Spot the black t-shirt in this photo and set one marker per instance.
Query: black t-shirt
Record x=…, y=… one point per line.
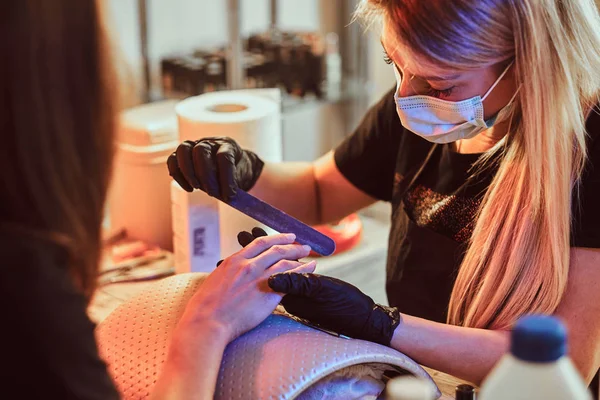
x=433, y=215
x=48, y=345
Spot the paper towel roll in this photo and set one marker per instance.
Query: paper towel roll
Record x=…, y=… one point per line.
x=253, y=120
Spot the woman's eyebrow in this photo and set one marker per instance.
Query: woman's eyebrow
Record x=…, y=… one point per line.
x=427, y=78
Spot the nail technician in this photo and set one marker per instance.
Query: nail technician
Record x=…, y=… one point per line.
x=488, y=151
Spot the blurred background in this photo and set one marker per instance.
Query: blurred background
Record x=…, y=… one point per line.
x=322, y=70
x=324, y=64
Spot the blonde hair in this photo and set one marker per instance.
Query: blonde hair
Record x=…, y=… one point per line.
x=517, y=261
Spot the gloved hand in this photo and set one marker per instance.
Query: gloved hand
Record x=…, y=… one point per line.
x=331, y=303
x=217, y=166
x=336, y=305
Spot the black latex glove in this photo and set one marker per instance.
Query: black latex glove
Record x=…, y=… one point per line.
x=245, y=238
x=336, y=305
x=331, y=303
x=218, y=166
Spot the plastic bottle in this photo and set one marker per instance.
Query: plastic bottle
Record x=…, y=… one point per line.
x=409, y=387
x=537, y=366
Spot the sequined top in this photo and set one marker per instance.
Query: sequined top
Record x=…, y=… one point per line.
x=433, y=217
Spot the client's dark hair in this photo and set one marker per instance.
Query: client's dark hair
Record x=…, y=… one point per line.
x=56, y=126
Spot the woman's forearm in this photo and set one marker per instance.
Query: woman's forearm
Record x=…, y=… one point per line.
x=297, y=181
x=315, y=193
x=192, y=366
x=465, y=353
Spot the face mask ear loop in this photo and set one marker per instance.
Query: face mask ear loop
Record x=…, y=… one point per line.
x=497, y=81
x=398, y=78
x=514, y=96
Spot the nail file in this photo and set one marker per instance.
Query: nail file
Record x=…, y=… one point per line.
x=282, y=222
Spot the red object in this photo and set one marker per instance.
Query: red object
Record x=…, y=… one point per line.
x=346, y=234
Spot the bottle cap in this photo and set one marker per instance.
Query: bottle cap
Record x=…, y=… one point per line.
x=409, y=387
x=465, y=392
x=539, y=339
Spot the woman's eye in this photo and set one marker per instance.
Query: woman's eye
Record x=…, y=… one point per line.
x=387, y=58
x=440, y=93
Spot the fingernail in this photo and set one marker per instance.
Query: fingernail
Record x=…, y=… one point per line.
x=307, y=248
x=290, y=236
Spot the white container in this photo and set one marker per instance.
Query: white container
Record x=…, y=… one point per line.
x=537, y=366
x=139, y=196
x=409, y=387
x=195, y=230
x=252, y=118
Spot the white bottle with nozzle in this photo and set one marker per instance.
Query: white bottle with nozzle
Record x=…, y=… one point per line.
x=537, y=366
x=409, y=387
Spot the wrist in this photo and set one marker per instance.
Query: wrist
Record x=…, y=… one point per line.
x=403, y=337
x=256, y=169
x=383, y=323
x=190, y=338
x=190, y=369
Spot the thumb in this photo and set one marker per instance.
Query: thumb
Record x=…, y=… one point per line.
x=305, y=285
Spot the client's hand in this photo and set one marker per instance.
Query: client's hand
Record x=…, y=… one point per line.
x=336, y=305
x=236, y=296
x=232, y=300
x=331, y=303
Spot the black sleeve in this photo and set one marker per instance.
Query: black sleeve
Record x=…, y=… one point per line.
x=51, y=348
x=367, y=158
x=586, y=201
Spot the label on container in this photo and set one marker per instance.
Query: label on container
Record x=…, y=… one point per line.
x=204, y=243
x=195, y=231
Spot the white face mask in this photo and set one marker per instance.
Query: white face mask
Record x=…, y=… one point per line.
x=442, y=121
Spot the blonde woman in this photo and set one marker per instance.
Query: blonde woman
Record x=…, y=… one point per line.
x=488, y=150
